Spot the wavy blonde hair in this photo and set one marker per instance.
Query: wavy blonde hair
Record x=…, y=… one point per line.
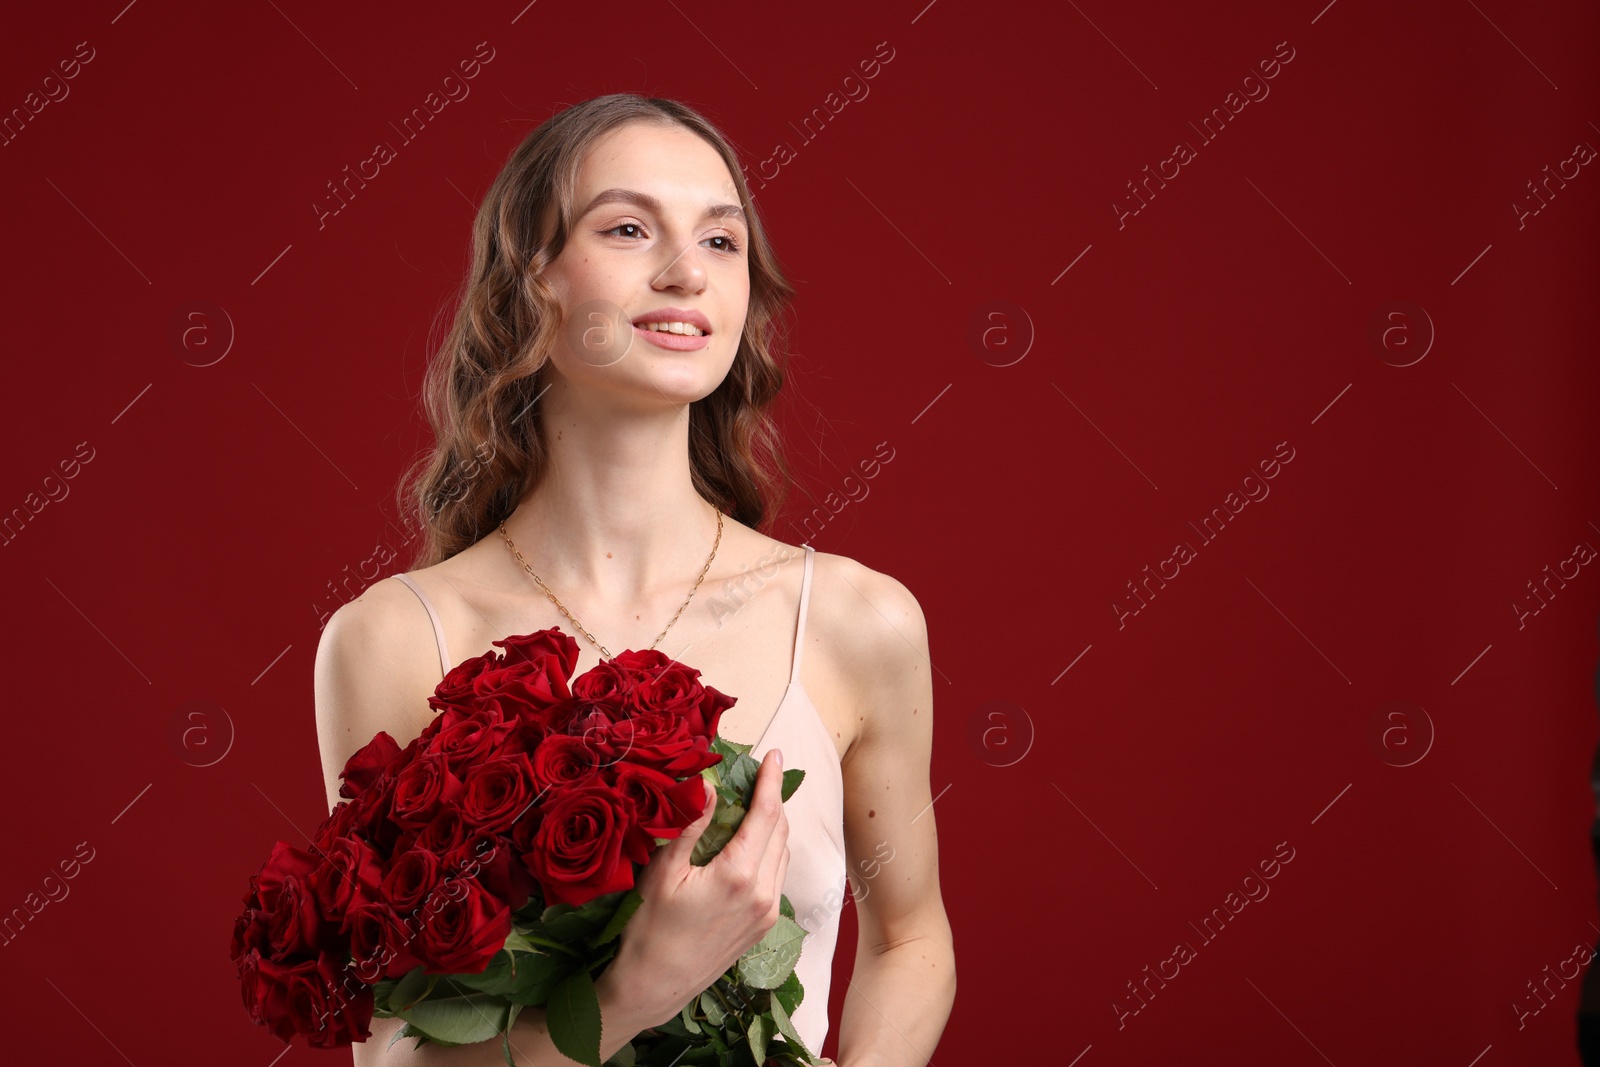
x=480, y=386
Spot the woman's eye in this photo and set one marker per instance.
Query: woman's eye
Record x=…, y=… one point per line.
x=730, y=244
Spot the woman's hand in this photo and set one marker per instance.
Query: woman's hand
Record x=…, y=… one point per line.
x=695, y=922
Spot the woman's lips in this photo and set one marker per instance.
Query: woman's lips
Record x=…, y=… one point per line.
x=677, y=342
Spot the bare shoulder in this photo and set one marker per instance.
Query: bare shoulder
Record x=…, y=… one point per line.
x=376, y=664
x=875, y=638
x=870, y=616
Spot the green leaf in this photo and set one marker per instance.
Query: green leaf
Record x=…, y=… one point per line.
x=573, y=1016
x=758, y=1037
x=599, y=910
x=686, y=1016
x=459, y=1018
x=381, y=991
x=712, y=1008
x=416, y=984
x=739, y=776
x=498, y=977
x=785, y=908
x=529, y=912
x=537, y=975
x=769, y=961
x=729, y=814
x=791, y=782
x=516, y=942
x=791, y=993
x=571, y=926
x=505, y=1037
x=713, y=773
x=785, y=1025
x=630, y=904
x=673, y=1027
x=735, y=1003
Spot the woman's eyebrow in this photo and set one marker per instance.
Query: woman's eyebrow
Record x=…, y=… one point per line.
x=650, y=203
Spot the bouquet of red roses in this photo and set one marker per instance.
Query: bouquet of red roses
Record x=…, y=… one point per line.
x=490, y=865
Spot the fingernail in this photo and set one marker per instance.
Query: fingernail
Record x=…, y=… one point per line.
x=777, y=754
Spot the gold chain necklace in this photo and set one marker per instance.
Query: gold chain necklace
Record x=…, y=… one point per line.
x=603, y=650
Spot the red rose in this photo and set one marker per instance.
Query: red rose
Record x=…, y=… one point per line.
x=676, y=690
x=327, y=1003
x=562, y=760
x=313, y=997
x=364, y=767
x=379, y=943
x=285, y=862
x=586, y=844
x=350, y=874
x=531, y=675
x=249, y=933
x=593, y=719
x=662, y=806
x=464, y=927
x=525, y=829
x=467, y=738
x=498, y=790
x=520, y=688
x=492, y=860
x=609, y=734
x=590, y=714
x=534, y=726
x=468, y=859
x=458, y=688
x=549, y=649
x=261, y=987
x=371, y=818
x=422, y=788
x=344, y=818
x=607, y=681
x=635, y=665
x=295, y=925
x=411, y=878
x=667, y=744
x=444, y=834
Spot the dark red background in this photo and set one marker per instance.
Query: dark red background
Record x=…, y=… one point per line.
x=193, y=555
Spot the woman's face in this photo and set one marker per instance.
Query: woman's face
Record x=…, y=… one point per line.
x=658, y=227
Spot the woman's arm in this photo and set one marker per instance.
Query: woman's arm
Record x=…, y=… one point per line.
x=904, y=983
x=375, y=667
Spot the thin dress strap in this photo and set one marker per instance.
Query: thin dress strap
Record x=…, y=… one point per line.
x=433, y=616
x=800, y=627
x=799, y=648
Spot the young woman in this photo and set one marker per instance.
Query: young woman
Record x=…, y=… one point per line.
x=603, y=461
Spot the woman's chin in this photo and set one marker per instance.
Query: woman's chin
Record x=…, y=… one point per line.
x=668, y=392
x=683, y=384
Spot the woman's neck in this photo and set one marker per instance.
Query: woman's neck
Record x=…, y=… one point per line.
x=616, y=513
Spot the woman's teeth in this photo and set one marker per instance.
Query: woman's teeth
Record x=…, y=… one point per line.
x=672, y=327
